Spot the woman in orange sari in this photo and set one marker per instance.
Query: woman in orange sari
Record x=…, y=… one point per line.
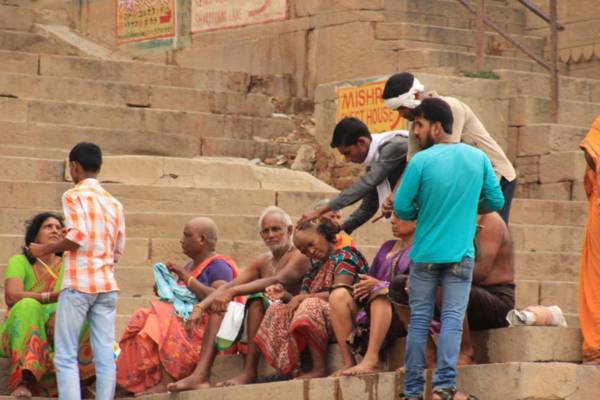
x=157, y=346
x=32, y=287
x=589, y=275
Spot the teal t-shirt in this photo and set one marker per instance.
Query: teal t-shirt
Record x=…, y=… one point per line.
x=441, y=189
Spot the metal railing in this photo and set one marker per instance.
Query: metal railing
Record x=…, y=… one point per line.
x=551, y=66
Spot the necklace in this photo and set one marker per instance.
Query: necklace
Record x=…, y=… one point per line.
x=47, y=268
x=276, y=265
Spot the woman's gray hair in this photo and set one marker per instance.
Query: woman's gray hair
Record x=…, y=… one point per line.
x=285, y=217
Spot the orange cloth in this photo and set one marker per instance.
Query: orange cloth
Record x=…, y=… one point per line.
x=156, y=339
x=589, y=275
x=344, y=240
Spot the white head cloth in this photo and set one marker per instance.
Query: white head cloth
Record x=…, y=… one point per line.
x=407, y=99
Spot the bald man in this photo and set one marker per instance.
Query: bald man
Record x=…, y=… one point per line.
x=155, y=348
x=279, y=269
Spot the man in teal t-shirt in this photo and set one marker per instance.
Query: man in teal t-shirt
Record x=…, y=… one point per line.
x=443, y=188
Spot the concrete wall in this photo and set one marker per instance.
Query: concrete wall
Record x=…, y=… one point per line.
x=579, y=43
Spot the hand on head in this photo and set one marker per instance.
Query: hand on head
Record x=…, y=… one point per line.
x=308, y=217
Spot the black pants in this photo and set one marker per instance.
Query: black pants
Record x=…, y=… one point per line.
x=508, y=190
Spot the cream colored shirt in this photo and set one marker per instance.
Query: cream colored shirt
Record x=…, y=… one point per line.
x=467, y=128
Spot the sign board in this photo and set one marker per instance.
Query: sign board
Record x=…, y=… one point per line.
x=141, y=20
x=211, y=15
x=365, y=103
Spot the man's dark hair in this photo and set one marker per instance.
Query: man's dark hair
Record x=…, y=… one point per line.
x=398, y=84
x=33, y=226
x=88, y=155
x=348, y=131
x=436, y=110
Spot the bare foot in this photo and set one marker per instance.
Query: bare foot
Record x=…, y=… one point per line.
x=341, y=371
x=161, y=387
x=242, y=379
x=465, y=359
x=21, y=392
x=315, y=373
x=362, y=368
x=188, y=383
x=457, y=396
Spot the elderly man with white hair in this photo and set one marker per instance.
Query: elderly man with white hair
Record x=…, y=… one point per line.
x=403, y=92
x=278, y=270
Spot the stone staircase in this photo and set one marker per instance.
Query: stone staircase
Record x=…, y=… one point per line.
x=168, y=132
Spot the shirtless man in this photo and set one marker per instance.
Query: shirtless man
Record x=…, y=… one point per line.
x=279, y=269
x=493, y=289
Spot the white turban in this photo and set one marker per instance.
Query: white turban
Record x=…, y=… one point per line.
x=407, y=99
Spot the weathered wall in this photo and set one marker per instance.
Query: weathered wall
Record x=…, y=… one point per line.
x=579, y=43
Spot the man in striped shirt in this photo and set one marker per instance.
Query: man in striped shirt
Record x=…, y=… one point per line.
x=94, y=241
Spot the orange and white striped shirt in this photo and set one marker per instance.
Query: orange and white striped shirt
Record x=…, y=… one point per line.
x=96, y=222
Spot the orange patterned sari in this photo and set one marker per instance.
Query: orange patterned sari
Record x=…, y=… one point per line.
x=155, y=340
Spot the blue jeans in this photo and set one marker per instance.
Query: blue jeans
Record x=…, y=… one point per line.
x=100, y=310
x=455, y=282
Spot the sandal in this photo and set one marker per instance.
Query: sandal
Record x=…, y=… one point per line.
x=448, y=394
x=403, y=397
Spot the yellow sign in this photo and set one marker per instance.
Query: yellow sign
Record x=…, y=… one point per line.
x=365, y=103
x=139, y=20
x=210, y=15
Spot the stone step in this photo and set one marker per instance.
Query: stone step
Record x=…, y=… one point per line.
x=514, y=380
x=200, y=172
x=454, y=38
x=245, y=148
x=47, y=195
x=453, y=62
x=33, y=152
x=527, y=381
x=548, y=293
x=34, y=43
x=547, y=212
x=198, y=124
x=142, y=73
x=147, y=73
x=561, y=191
x=139, y=143
x=150, y=96
x=547, y=237
x=521, y=83
x=545, y=138
x=17, y=18
x=562, y=166
x=536, y=110
x=452, y=14
x=39, y=135
x=547, y=265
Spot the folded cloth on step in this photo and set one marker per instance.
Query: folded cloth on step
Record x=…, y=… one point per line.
x=537, y=316
x=231, y=326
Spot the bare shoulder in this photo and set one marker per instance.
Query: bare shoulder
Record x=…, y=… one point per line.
x=261, y=261
x=297, y=258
